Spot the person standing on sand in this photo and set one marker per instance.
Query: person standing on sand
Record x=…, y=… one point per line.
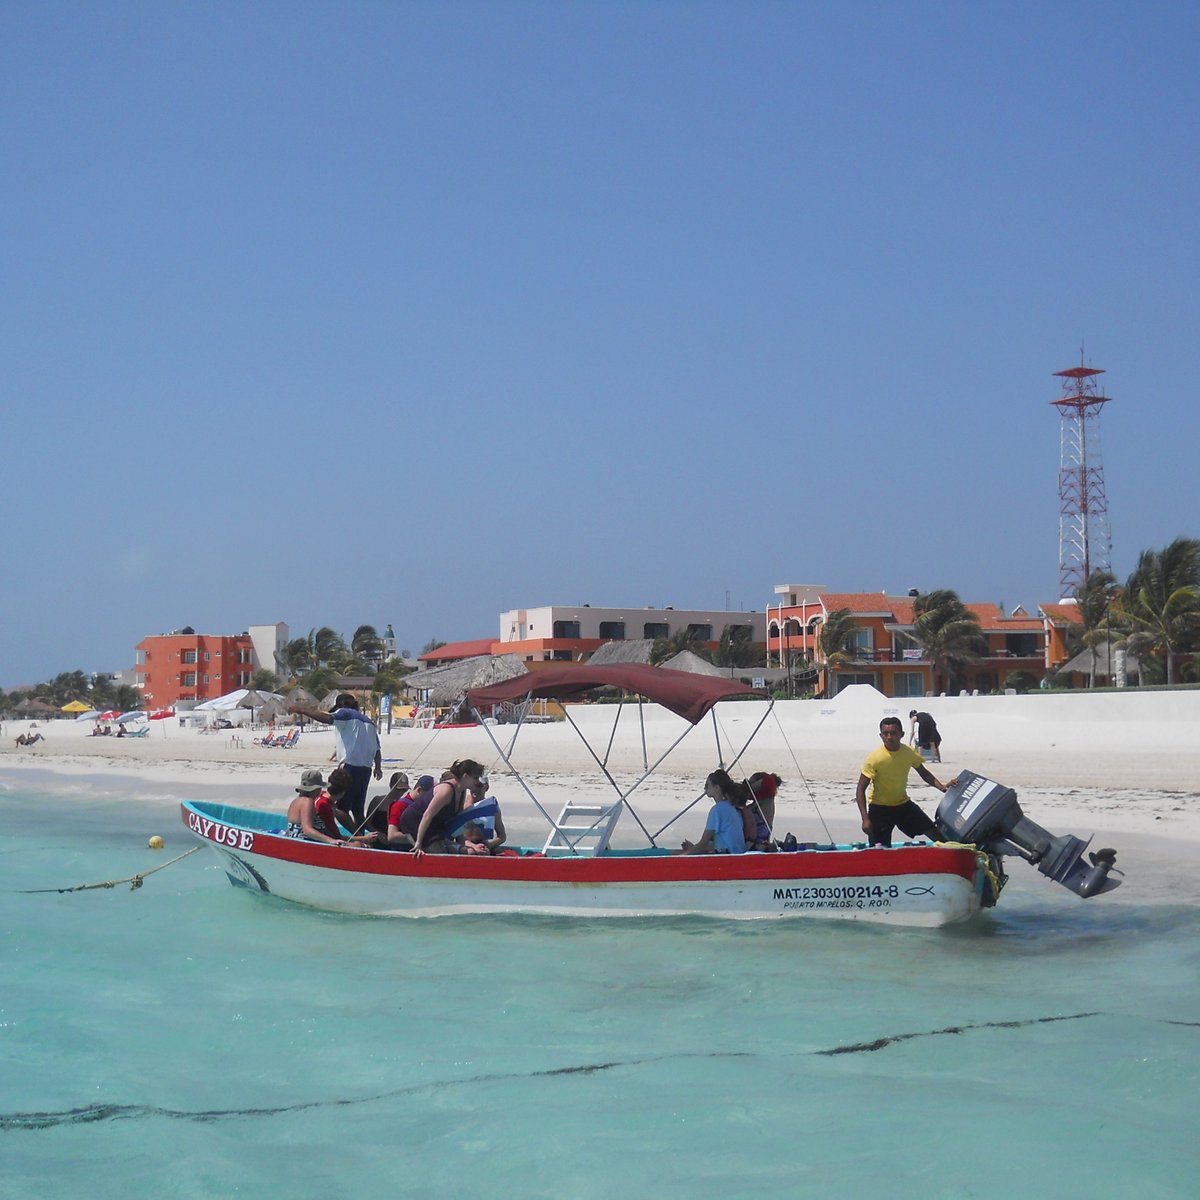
x=923, y=733
x=886, y=770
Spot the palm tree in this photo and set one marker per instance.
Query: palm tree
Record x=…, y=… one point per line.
x=297, y=657
x=1094, y=600
x=367, y=644
x=948, y=632
x=738, y=649
x=1161, y=601
x=264, y=680
x=838, y=643
x=681, y=640
x=326, y=644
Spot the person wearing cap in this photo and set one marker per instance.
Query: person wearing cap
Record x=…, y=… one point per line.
x=357, y=748
x=379, y=805
x=399, y=805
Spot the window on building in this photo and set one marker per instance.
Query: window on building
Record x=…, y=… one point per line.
x=207, y=656
x=562, y=656
x=700, y=633
x=656, y=629
x=566, y=629
x=189, y=679
x=908, y=683
x=206, y=679
x=844, y=681
x=613, y=631
x=863, y=642
x=188, y=656
x=1022, y=645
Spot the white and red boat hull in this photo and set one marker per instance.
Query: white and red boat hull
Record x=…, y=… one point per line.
x=921, y=885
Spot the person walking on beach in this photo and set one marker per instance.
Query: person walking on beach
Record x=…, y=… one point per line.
x=356, y=748
x=885, y=770
x=923, y=733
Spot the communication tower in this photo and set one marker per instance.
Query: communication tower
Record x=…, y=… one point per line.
x=1084, y=537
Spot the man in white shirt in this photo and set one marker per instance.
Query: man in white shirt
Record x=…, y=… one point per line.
x=357, y=749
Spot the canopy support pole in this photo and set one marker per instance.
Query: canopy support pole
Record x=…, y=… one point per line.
x=745, y=747
x=509, y=764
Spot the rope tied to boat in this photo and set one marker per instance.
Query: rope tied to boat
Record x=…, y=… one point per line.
x=984, y=859
x=134, y=881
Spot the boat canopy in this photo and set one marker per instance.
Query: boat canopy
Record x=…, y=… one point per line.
x=688, y=696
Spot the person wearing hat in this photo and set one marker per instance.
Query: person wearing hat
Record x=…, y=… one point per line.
x=312, y=814
x=357, y=748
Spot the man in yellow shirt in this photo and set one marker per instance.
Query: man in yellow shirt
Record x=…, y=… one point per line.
x=886, y=771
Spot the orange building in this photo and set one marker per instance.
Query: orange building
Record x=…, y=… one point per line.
x=186, y=665
x=886, y=652
x=1059, y=619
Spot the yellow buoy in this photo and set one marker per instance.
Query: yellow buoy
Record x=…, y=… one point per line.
x=156, y=843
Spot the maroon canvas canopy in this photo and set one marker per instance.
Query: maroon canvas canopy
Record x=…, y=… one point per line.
x=689, y=696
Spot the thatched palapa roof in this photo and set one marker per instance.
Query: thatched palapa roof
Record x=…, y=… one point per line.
x=636, y=650
x=442, y=686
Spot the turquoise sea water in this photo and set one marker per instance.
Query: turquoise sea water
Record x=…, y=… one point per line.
x=193, y=1040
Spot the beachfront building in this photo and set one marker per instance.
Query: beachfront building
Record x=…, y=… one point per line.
x=192, y=667
x=886, y=653
x=573, y=633
x=1060, y=620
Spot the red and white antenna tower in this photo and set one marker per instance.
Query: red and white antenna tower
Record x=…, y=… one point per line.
x=1084, y=537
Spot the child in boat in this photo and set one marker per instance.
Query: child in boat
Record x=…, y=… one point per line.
x=724, y=831
x=492, y=823
x=380, y=805
x=474, y=839
x=763, y=786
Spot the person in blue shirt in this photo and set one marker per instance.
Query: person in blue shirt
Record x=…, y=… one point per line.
x=356, y=748
x=724, y=831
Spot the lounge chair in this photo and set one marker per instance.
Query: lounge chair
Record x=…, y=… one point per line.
x=143, y=732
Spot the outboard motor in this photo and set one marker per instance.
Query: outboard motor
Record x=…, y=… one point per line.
x=987, y=814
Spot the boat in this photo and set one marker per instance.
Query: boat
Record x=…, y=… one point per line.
x=579, y=873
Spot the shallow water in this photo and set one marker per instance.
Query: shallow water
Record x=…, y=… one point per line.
x=190, y=1039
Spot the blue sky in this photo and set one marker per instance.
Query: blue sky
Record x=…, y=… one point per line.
x=414, y=313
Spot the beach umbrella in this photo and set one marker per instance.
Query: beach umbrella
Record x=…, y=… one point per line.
x=162, y=714
x=136, y=715
x=88, y=716
x=272, y=710
x=77, y=706
x=111, y=715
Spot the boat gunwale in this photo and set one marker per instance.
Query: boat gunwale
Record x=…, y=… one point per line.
x=637, y=867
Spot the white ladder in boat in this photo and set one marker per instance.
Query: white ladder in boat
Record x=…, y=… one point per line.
x=582, y=829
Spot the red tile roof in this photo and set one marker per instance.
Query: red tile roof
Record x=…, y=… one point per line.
x=1067, y=614
x=453, y=651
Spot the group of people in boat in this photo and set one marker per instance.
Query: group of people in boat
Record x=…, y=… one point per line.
x=453, y=815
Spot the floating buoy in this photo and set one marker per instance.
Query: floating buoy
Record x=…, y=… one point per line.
x=156, y=843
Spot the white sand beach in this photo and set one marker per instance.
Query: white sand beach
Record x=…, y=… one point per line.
x=1122, y=766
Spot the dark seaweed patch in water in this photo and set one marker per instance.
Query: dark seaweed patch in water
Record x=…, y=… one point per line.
x=125, y=1112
